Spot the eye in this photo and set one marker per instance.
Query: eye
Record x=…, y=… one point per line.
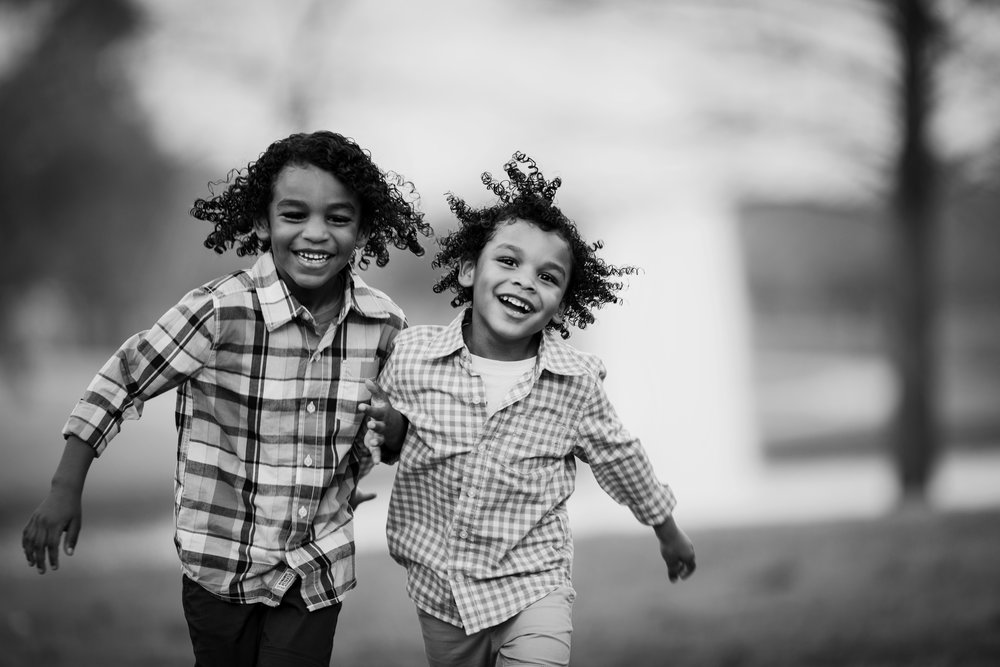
x=339, y=219
x=508, y=261
x=549, y=278
x=292, y=215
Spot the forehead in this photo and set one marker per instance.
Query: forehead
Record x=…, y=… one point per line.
x=307, y=182
x=529, y=238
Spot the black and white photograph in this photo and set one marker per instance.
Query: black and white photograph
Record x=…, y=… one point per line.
x=482, y=333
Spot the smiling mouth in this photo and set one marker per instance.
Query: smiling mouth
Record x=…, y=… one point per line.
x=312, y=257
x=516, y=304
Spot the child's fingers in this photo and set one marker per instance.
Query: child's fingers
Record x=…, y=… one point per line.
x=53, y=551
x=72, y=535
x=680, y=570
x=375, y=451
x=38, y=553
x=28, y=541
x=33, y=542
x=374, y=439
x=369, y=410
x=37, y=558
x=359, y=497
x=379, y=397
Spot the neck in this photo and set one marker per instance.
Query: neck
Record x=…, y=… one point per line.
x=325, y=300
x=326, y=314
x=500, y=350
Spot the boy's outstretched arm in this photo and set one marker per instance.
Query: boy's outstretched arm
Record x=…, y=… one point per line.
x=61, y=511
x=676, y=549
x=386, y=425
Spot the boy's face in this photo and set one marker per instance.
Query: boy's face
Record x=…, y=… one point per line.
x=518, y=284
x=314, y=225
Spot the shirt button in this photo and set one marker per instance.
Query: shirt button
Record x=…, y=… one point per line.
x=303, y=511
x=308, y=460
x=311, y=408
x=463, y=534
x=472, y=493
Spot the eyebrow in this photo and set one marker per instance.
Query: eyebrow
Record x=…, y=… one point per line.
x=290, y=201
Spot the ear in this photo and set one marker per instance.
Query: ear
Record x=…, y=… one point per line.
x=560, y=314
x=467, y=273
x=362, y=239
x=262, y=228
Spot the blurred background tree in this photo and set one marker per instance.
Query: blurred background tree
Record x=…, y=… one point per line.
x=84, y=188
x=939, y=65
x=927, y=37
x=913, y=280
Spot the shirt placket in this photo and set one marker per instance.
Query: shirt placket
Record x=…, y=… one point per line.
x=309, y=446
x=463, y=542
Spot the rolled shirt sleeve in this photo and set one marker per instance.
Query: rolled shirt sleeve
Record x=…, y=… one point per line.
x=148, y=364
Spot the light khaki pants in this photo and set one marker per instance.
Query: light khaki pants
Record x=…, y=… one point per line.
x=539, y=635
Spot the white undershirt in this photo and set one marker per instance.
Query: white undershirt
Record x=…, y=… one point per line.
x=499, y=377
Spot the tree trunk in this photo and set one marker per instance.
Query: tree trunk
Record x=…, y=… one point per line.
x=915, y=431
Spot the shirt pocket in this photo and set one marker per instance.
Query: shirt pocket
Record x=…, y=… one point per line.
x=535, y=443
x=351, y=391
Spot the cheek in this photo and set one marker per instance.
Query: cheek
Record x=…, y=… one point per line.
x=559, y=300
x=349, y=238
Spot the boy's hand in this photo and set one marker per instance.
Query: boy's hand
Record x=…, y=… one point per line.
x=676, y=549
x=358, y=496
x=386, y=426
x=59, y=513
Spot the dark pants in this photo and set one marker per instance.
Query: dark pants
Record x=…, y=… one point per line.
x=227, y=634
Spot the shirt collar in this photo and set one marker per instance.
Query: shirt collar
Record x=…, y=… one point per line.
x=449, y=340
x=279, y=307
x=558, y=356
x=554, y=354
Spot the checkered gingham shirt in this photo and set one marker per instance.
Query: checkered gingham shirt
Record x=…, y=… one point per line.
x=269, y=437
x=478, y=510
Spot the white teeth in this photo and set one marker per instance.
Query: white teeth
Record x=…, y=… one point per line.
x=516, y=303
x=312, y=256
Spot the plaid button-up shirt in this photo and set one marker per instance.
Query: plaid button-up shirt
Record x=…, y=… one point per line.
x=269, y=438
x=478, y=509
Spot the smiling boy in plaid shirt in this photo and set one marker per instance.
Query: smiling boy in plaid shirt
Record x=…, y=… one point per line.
x=269, y=364
x=497, y=409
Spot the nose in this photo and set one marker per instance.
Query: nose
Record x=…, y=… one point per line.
x=524, y=280
x=315, y=228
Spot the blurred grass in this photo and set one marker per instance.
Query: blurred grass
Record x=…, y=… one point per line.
x=915, y=589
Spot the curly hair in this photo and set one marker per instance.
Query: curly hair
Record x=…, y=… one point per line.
x=388, y=202
x=529, y=197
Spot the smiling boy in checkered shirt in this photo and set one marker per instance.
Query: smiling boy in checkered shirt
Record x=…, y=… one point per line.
x=497, y=409
x=269, y=364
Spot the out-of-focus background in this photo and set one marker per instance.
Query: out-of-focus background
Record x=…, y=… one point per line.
x=810, y=354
